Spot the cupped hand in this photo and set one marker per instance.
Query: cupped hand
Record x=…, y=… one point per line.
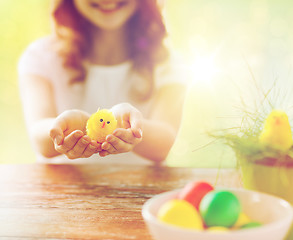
x=68, y=135
x=129, y=131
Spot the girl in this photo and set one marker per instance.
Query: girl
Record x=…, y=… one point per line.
x=102, y=54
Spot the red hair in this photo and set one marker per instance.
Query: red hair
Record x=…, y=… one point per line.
x=146, y=35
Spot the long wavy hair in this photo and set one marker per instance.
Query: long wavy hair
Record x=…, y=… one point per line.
x=146, y=32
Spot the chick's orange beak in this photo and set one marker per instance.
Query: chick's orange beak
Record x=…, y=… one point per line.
x=278, y=121
x=103, y=124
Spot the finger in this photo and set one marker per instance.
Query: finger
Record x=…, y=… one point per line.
x=109, y=148
x=79, y=148
x=56, y=132
x=125, y=135
x=90, y=149
x=69, y=141
x=125, y=124
x=118, y=145
x=103, y=153
x=99, y=146
x=135, y=120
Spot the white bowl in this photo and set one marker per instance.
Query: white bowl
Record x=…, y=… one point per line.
x=275, y=213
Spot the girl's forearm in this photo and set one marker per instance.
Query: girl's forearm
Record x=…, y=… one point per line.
x=158, y=138
x=40, y=138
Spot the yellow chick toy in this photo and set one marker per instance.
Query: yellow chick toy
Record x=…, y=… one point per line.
x=276, y=132
x=101, y=124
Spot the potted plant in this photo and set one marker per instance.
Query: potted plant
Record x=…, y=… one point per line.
x=265, y=155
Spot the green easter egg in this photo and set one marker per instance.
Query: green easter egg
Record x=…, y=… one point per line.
x=220, y=208
x=251, y=225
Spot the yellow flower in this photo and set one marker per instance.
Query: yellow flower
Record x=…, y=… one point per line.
x=101, y=124
x=276, y=132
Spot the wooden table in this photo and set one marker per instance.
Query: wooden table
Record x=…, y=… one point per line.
x=41, y=201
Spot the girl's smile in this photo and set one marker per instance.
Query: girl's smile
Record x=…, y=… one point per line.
x=106, y=14
x=109, y=7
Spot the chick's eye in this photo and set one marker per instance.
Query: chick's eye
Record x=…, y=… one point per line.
x=101, y=120
x=108, y=122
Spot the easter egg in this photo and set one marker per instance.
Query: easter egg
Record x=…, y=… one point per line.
x=180, y=213
x=251, y=225
x=218, y=229
x=242, y=219
x=193, y=192
x=220, y=208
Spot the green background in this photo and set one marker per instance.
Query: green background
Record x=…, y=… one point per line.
x=257, y=33
x=21, y=22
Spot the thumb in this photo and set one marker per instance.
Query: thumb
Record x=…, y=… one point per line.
x=137, y=133
x=56, y=132
x=136, y=124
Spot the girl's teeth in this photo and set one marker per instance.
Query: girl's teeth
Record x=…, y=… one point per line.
x=110, y=6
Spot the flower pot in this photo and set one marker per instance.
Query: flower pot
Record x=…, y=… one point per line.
x=269, y=175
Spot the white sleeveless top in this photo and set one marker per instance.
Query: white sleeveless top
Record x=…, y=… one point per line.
x=104, y=87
